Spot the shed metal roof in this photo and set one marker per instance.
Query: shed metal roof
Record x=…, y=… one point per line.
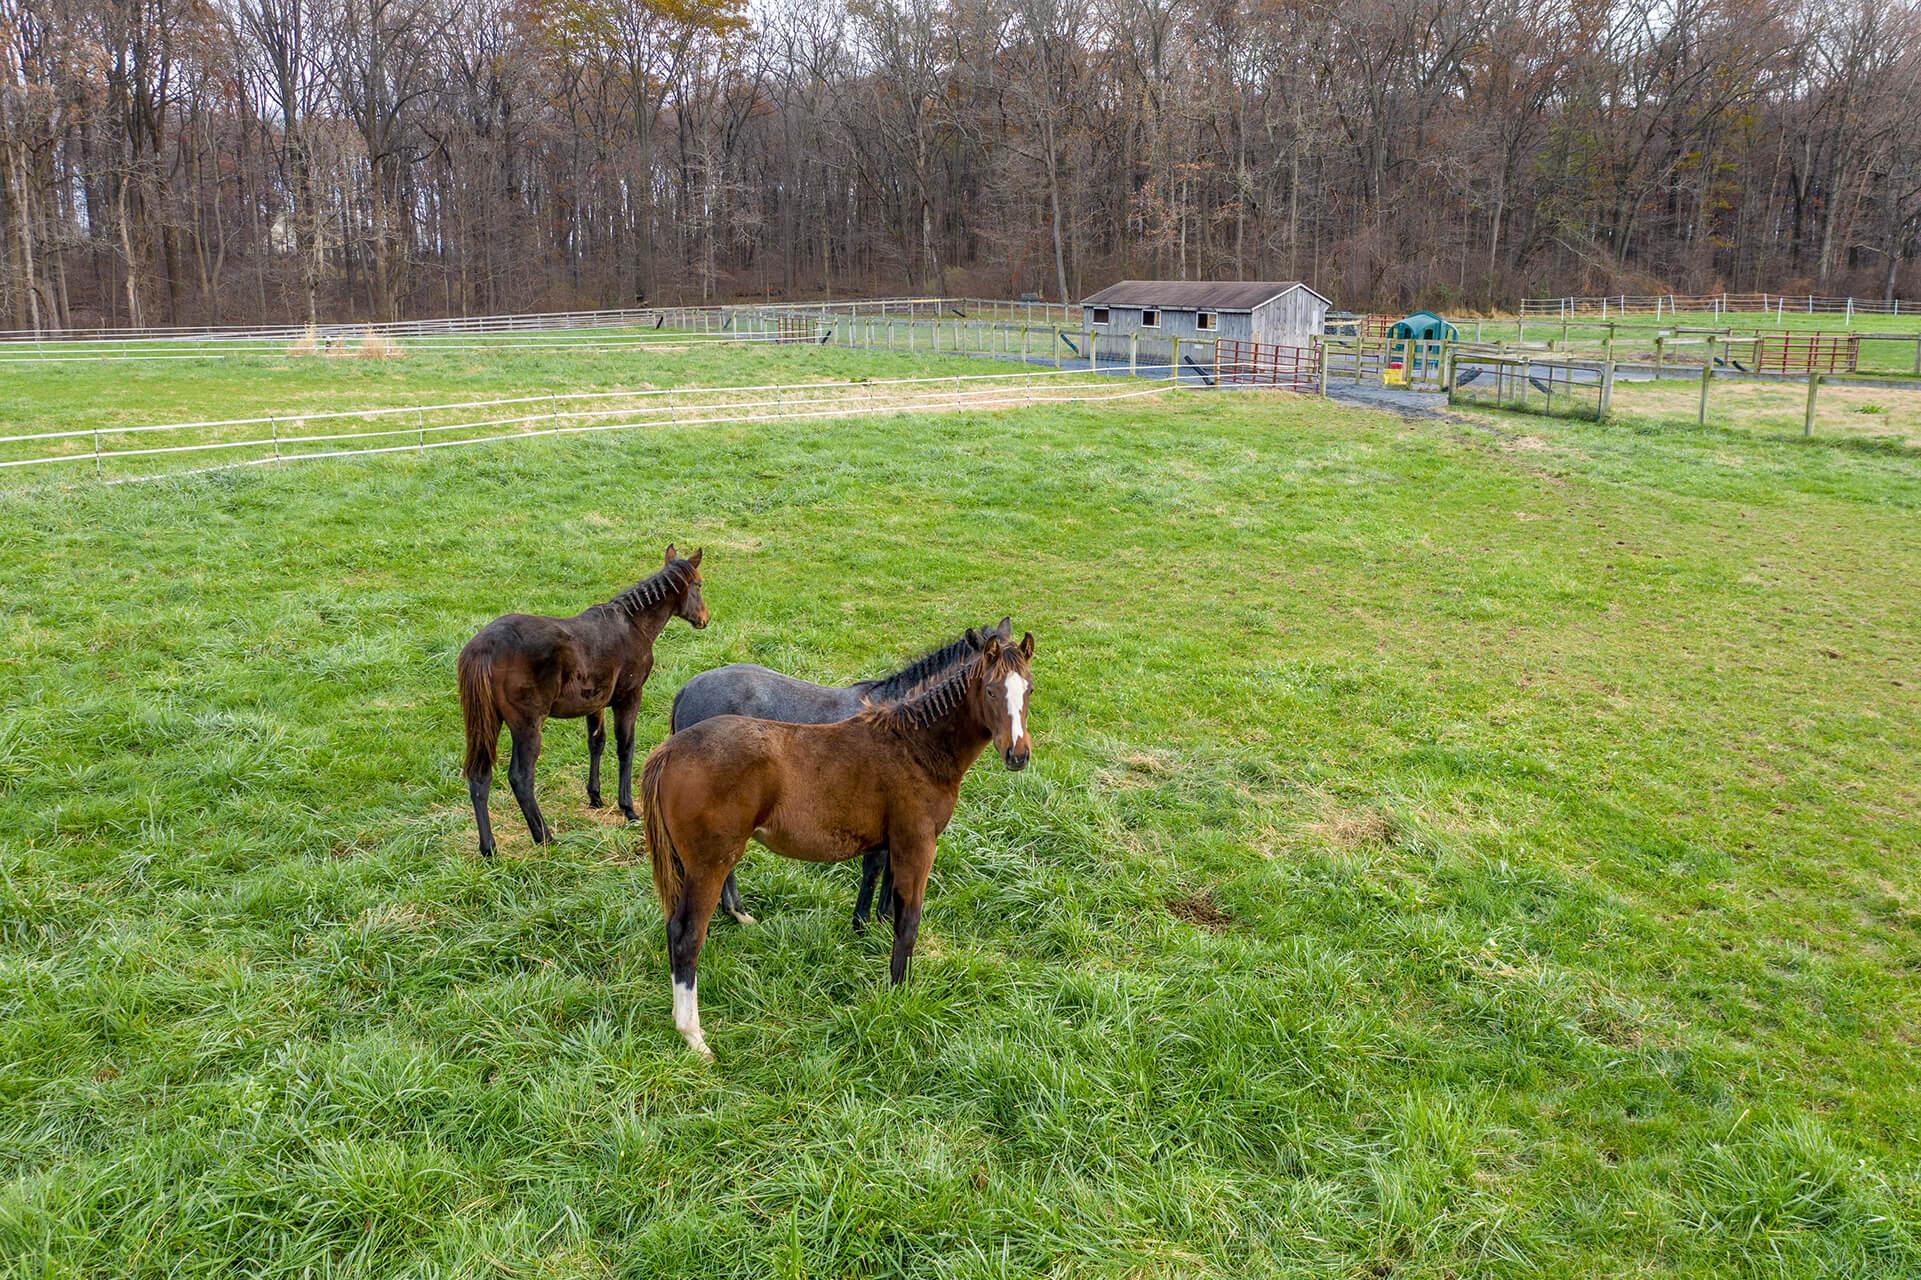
x=1212, y=295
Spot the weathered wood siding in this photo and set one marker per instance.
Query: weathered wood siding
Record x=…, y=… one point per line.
x=1291, y=319
x=1181, y=324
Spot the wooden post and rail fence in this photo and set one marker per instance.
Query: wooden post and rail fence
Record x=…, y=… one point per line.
x=1533, y=377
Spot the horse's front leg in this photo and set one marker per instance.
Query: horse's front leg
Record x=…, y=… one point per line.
x=596, y=740
x=911, y=861
x=625, y=713
x=520, y=772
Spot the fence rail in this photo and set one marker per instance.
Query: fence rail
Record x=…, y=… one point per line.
x=1414, y=363
x=1659, y=304
x=1556, y=388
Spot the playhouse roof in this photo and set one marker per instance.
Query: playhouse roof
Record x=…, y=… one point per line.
x=1210, y=295
x=1424, y=325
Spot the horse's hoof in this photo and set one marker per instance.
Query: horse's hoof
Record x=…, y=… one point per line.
x=742, y=917
x=594, y=801
x=630, y=815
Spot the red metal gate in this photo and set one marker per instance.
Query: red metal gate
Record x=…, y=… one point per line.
x=1807, y=352
x=1265, y=364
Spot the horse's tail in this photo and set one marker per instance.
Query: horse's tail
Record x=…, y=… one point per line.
x=668, y=872
x=477, y=708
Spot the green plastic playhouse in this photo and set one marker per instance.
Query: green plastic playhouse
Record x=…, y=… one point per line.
x=1424, y=326
x=1421, y=327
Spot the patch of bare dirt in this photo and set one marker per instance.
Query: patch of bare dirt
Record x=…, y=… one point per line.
x=1201, y=911
x=1347, y=829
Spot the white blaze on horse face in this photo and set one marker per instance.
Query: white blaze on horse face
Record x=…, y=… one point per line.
x=687, y=1018
x=1017, y=704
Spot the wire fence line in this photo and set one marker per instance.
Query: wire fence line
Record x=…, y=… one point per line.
x=290, y=437
x=669, y=341
x=519, y=322
x=712, y=318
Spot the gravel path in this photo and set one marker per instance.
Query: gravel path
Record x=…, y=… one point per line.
x=1409, y=404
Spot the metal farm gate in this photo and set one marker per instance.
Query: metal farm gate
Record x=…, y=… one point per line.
x=792, y=328
x=1244, y=364
x=1806, y=352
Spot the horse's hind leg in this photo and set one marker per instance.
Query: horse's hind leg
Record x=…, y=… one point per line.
x=686, y=931
x=730, y=901
x=596, y=741
x=520, y=772
x=624, y=717
x=478, y=787
x=873, y=864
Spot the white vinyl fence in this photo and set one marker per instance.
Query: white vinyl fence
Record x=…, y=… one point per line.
x=1778, y=305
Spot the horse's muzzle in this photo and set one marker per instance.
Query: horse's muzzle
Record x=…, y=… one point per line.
x=1015, y=758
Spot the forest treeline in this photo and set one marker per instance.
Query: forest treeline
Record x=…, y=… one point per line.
x=185, y=161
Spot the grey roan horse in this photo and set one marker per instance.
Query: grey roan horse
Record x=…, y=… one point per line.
x=744, y=689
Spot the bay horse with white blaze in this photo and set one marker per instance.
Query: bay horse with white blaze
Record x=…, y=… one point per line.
x=748, y=689
x=888, y=778
x=522, y=669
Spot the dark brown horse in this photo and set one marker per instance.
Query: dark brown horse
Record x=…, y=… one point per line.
x=888, y=778
x=522, y=669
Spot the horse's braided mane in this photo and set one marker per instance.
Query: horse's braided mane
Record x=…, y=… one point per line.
x=670, y=580
x=892, y=688
x=932, y=703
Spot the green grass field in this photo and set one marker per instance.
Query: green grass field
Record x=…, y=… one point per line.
x=1450, y=851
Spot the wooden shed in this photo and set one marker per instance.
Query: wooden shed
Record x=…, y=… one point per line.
x=1285, y=312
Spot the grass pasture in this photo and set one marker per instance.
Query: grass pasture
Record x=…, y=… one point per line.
x=1450, y=851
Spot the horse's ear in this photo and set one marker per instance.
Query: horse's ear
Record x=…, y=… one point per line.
x=1027, y=644
x=1006, y=627
x=671, y=553
x=991, y=649
x=695, y=558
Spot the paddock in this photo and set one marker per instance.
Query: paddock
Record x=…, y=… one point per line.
x=1432, y=824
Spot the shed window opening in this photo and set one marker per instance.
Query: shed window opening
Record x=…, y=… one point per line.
x=1150, y=319
x=1205, y=321
x=1100, y=315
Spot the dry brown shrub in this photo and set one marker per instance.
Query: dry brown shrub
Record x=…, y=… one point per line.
x=377, y=346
